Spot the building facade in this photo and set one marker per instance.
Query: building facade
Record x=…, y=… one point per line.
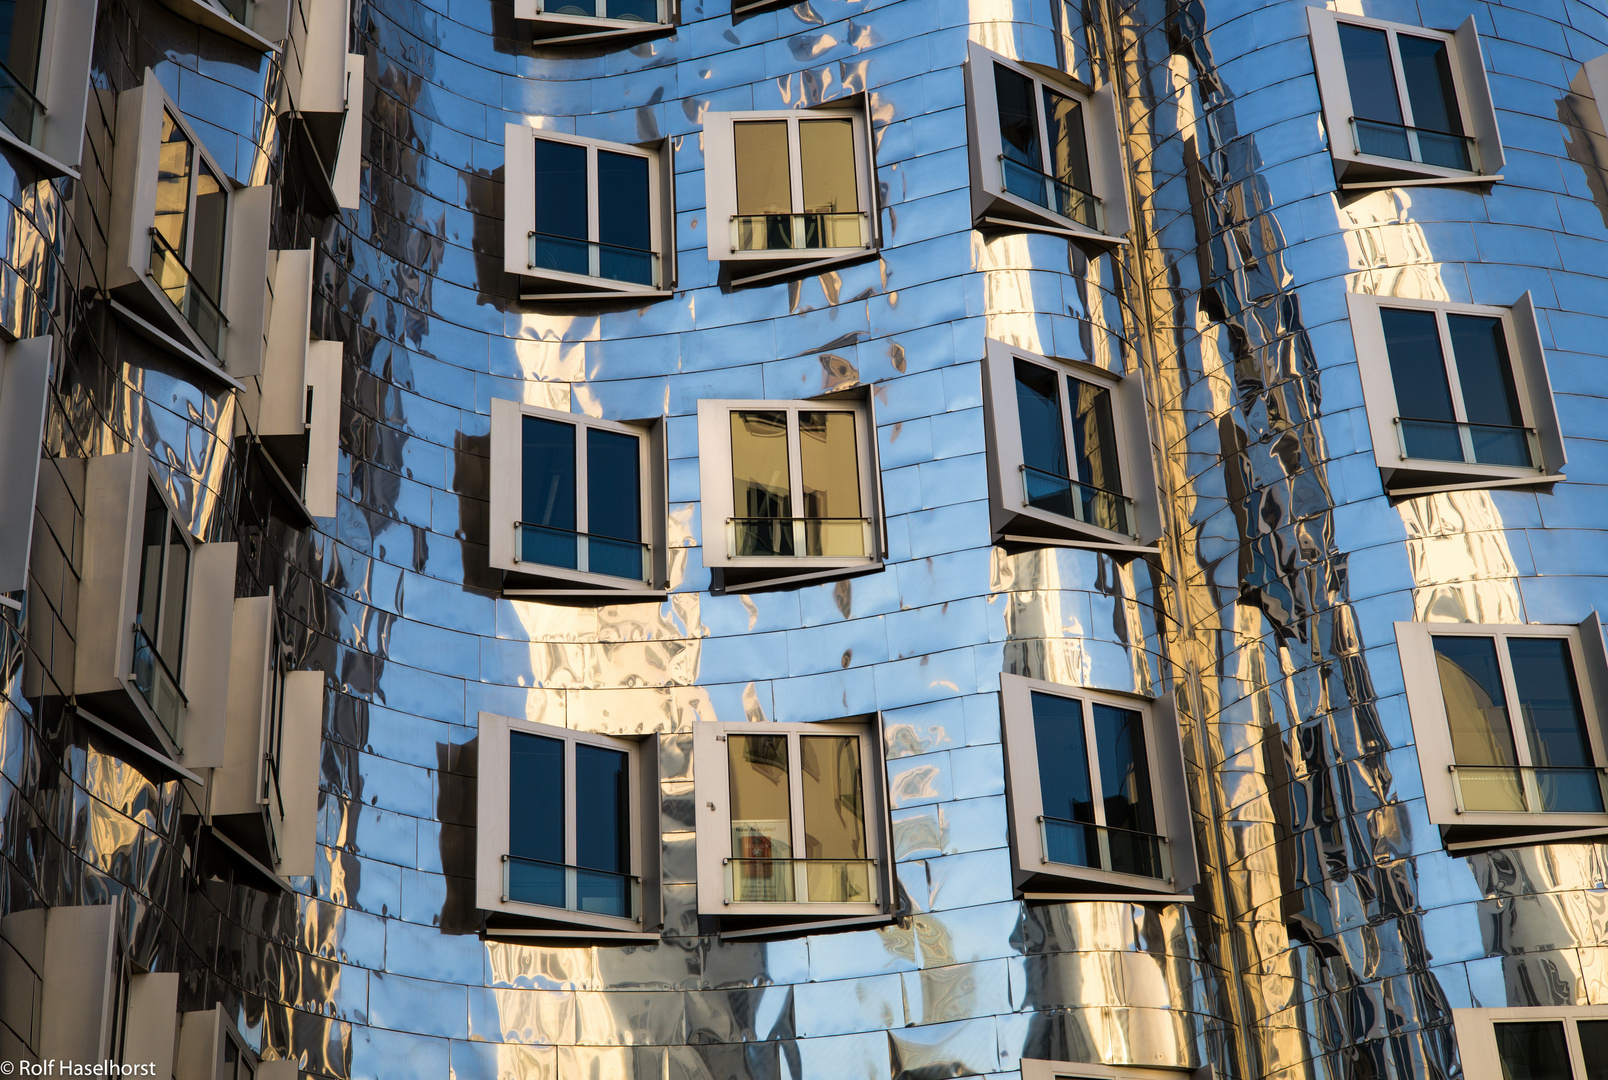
x=731, y=540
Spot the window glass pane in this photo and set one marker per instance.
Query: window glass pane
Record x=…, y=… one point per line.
x=614, y=503
x=1423, y=395
x=1476, y=712
x=1069, y=154
x=175, y=590
x=1485, y=377
x=624, y=212
x=1533, y=1051
x=761, y=818
x=1370, y=74
x=826, y=162
x=834, y=819
x=1038, y=411
x=561, y=208
x=763, y=182
x=173, y=185
x=1094, y=453
x=831, y=473
x=762, y=502
x=149, y=611
x=21, y=23
x=603, y=830
x=536, y=819
x=573, y=7
x=1594, y=1048
x=1555, y=724
x=633, y=10
x=1427, y=70
x=1018, y=117
x=1063, y=765
x=1119, y=739
x=547, y=529
x=211, y=223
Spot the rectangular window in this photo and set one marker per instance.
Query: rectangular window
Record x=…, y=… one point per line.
x=22, y=24
x=793, y=821
x=189, y=232
x=1050, y=170
x=1533, y=1043
x=163, y=599
x=1069, y=448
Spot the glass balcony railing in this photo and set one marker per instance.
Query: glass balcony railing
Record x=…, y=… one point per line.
x=199, y=310
x=1474, y=444
x=801, y=881
x=1099, y=847
x=158, y=687
x=572, y=888
x=642, y=11
x=567, y=255
x=784, y=537
x=20, y=110
x=1382, y=139
x=799, y=232
x=1514, y=789
x=1053, y=194
x=1073, y=499
x=591, y=554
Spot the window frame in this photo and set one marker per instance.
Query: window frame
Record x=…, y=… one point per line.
x=1354, y=169
x=720, y=192
x=494, y=805
x=1476, y=1034
x=552, y=28
x=519, y=216
x=61, y=87
x=716, y=496
x=1012, y=518
x=1036, y=877
x=1432, y=733
x=507, y=505
x=712, y=797
x=994, y=207
x=1404, y=476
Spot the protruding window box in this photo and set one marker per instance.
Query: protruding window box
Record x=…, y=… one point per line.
x=1508, y=724
x=1046, y=151
x=792, y=823
x=1095, y=783
x=256, y=23
x=1457, y=394
x=561, y=22
x=790, y=191
x=1068, y=453
x=210, y=1048
x=577, y=504
x=586, y=219
x=567, y=834
x=790, y=490
x=320, y=103
x=265, y=792
x=156, y=614
x=1563, y=1042
x=187, y=250
x=1403, y=104
x=24, y=395
x=44, y=82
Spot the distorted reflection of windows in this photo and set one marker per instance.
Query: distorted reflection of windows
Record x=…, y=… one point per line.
x=1404, y=103
x=1509, y=715
x=1457, y=394
x=794, y=820
x=1086, y=781
x=1533, y=1043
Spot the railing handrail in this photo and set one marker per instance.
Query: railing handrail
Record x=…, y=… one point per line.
x=1076, y=482
x=762, y=517
x=576, y=532
x=172, y=678
x=801, y=213
x=1409, y=127
x=597, y=243
x=1107, y=828
x=1462, y=423
x=1532, y=768
x=570, y=866
x=16, y=81
x=790, y=859
x=189, y=275
x=1025, y=167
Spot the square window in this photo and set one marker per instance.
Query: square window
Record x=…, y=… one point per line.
x=1535, y=1043
x=1069, y=455
x=1404, y=104
x=792, y=821
x=585, y=218
x=1508, y=725
x=559, y=22
x=577, y=503
x=1046, y=151
x=1457, y=394
x=566, y=834
x=1094, y=786
x=789, y=191
x=789, y=489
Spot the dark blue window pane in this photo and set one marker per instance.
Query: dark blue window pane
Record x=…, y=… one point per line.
x=1533, y=1051
x=1427, y=70
x=1490, y=398
x=1119, y=736
x=634, y=10
x=1018, y=117
x=614, y=503
x=536, y=799
x=1068, y=798
x=1555, y=723
x=1370, y=75
x=1418, y=370
x=547, y=534
x=602, y=809
x=623, y=213
x=561, y=213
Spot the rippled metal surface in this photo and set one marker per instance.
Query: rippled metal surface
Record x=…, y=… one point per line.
x=1333, y=934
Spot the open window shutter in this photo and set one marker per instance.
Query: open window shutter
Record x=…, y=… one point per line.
x=1595, y=663
x=1138, y=464
x=519, y=197
x=1481, y=110
x=24, y=385
x=506, y=462
x=1332, y=86
x=1538, y=385
x=300, y=760
x=323, y=433
x=237, y=781
x=208, y=633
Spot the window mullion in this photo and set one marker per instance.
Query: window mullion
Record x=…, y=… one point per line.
x=594, y=256
x=795, y=806
x=1063, y=394
x=1092, y=763
x=795, y=165
x=569, y=825
x=1043, y=127
x=583, y=505
x=795, y=482
x=1401, y=79
x=1449, y=360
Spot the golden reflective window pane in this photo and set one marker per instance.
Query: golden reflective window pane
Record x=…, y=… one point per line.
x=761, y=818
x=763, y=183
x=831, y=475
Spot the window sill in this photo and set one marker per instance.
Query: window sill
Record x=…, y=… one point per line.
x=1011, y=212
x=539, y=579
x=1067, y=881
x=553, y=29
x=206, y=15
x=183, y=349
x=557, y=285
x=1417, y=476
x=534, y=920
x=49, y=167
x=1030, y=525
x=1368, y=171
x=759, y=267
x=753, y=576
x=802, y=926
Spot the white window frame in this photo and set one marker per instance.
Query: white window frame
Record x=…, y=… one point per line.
x=1013, y=520
x=1432, y=735
x=61, y=87
x=1035, y=875
x=24, y=400
x=1476, y=1034
x=556, y=28
x=1353, y=169
x=720, y=192
x=506, y=507
x=243, y=295
x=995, y=208
x=491, y=831
x=715, y=480
x=1526, y=357
x=519, y=216
x=712, y=796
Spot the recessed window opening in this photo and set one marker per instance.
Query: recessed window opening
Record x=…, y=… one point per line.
x=22, y=24
x=1069, y=459
x=1404, y=97
x=189, y=232
x=643, y=11
x=582, y=500
x=1045, y=150
x=797, y=185
x=594, y=213
x=160, y=615
x=827, y=519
